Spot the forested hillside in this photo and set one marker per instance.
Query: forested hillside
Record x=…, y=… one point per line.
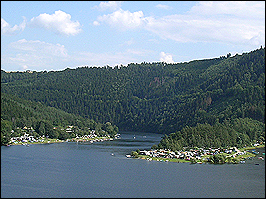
x=152, y=97
x=18, y=113
x=239, y=132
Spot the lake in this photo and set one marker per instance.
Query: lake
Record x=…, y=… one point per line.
x=101, y=170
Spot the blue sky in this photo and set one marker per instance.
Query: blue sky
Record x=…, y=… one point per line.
x=54, y=35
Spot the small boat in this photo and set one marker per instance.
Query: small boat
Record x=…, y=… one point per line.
x=112, y=154
x=128, y=156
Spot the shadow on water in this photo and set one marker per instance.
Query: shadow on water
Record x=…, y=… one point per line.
x=127, y=142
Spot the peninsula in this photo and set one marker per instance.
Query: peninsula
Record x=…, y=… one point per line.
x=231, y=155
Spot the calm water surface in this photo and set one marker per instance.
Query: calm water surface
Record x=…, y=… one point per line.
x=102, y=170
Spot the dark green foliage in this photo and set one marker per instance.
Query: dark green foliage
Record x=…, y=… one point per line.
x=154, y=97
x=110, y=129
x=46, y=121
x=6, y=127
x=217, y=159
x=239, y=132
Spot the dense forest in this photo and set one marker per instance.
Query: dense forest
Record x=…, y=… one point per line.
x=156, y=97
x=17, y=113
x=239, y=132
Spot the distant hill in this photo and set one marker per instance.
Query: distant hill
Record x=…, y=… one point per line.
x=152, y=97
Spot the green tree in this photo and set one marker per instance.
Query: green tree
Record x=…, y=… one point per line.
x=134, y=154
x=217, y=159
x=6, y=127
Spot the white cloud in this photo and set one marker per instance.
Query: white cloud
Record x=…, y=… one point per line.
x=161, y=6
x=96, y=23
x=245, y=9
x=130, y=42
x=35, y=54
x=228, y=22
x=111, y=59
x=6, y=29
x=124, y=19
x=100, y=59
x=111, y=5
x=237, y=23
x=25, y=67
x=166, y=58
x=39, y=47
x=59, y=22
x=38, y=55
x=140, y=52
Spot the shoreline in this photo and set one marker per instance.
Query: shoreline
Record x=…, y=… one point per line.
x=51, y=141
x=204, y=159
x=247, y=152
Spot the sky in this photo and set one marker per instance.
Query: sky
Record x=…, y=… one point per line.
x=55, y=35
